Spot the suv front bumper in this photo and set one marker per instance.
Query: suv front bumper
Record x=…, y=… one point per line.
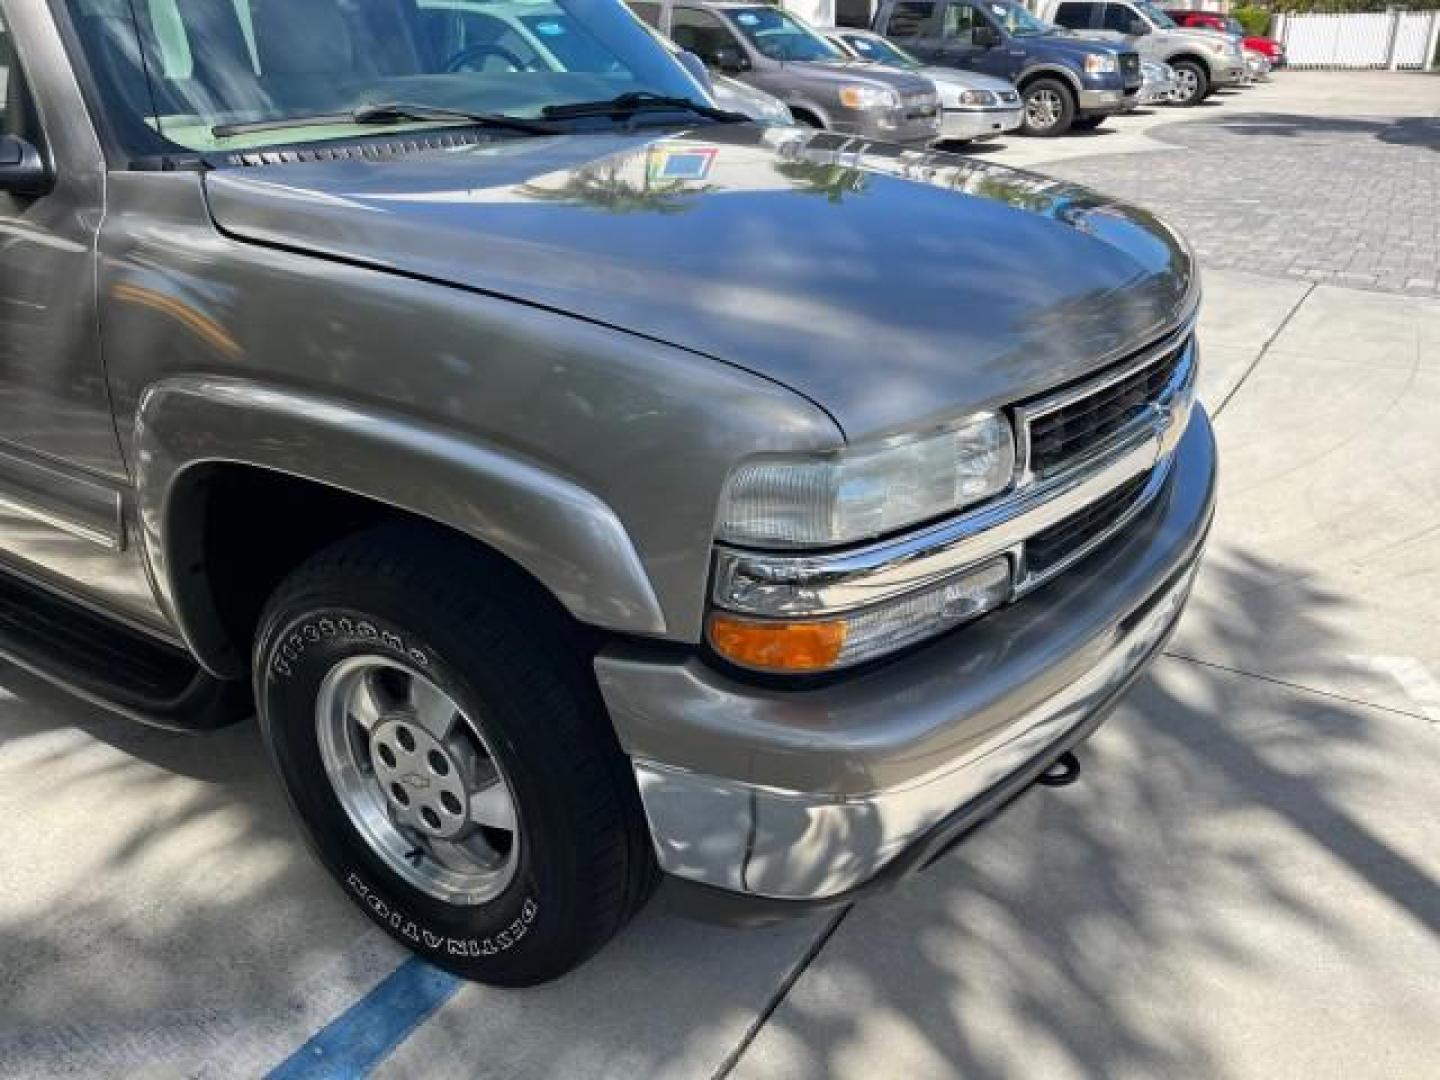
x=1107, y=102
x=806, y=797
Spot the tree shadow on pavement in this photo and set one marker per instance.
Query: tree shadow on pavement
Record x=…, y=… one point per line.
x=1074, y=937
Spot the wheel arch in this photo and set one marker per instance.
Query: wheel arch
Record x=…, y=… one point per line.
x=1040, y=71
x=1194, y=58
x=333, y=467
x=799, y=109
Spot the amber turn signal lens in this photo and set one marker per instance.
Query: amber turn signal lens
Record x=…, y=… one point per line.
x=778, y=646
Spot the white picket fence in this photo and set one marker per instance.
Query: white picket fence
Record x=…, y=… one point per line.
x=1390, y=39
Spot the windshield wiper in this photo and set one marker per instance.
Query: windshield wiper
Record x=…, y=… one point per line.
x=388, y=113
x=635, y=101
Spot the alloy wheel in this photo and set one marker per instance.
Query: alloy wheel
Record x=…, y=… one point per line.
x=1043, y=108
x=1188, y=84
x=418, y=780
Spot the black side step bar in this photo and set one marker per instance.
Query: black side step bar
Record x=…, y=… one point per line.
x=111, y=665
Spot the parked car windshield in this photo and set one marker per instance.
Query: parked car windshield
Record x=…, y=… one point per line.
x=1015, y=19
x=780, y=36
x=1156, y=16
x=172, y=72
x=880, y=50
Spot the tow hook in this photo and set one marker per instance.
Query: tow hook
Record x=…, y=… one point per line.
x=1063, y=771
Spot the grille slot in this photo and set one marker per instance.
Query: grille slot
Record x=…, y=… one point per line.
x=1050, y=549
x=1070, y=431
x=919, y=105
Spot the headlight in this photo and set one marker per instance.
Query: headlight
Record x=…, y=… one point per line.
x=866, y=491
x=977, y=97
x=868, y=97
x=776, y=111
x=1100, y=64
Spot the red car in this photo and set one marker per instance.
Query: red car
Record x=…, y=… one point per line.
x=1271, y=49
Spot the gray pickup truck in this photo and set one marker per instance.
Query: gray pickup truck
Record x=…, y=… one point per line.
x=582, y=485
x=1204, y=60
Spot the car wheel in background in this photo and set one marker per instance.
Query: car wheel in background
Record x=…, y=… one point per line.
x=1049, y=108
x=1192, y=83
x=440, y=736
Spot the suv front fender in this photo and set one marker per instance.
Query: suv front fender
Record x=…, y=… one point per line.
x=563, y=535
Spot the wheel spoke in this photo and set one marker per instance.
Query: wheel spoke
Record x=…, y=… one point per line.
x=365, y=704
x=492, y=807
x=433, y=710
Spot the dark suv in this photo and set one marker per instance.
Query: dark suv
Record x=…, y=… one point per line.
x=1065, y=81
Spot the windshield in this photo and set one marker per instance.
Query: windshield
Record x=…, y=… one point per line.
x=1234, y=27
x=780, y=36
x=880, y=51
x=170, y=72
x=1156, y=16
x=1015, y=19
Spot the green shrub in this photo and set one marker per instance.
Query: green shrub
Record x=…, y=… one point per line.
x=1256, y=21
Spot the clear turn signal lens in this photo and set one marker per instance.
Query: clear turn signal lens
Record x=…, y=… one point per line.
x=830, y=644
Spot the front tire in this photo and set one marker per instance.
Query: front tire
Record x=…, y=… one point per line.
x=1193, y=83
x=1049, y=108
x=439, y=735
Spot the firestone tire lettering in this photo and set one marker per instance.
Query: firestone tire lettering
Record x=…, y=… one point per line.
x=397, y=920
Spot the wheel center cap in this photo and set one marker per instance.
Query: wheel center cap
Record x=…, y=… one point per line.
x=421, y=778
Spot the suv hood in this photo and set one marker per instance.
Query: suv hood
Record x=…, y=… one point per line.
x=1079, y=42
x=890, y=287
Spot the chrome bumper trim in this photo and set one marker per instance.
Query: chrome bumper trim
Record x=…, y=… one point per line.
x=978, y=123
x=783, y=585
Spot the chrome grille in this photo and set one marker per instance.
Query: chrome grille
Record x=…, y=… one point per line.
x=1047, y=551
x=1130, y=68
x=1085, y=420
x=919, y=105
x=1129, y=406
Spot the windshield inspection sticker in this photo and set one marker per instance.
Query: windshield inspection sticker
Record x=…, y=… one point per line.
x=747, y=19
x=549, y=29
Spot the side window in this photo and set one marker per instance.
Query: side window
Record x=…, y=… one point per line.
x=1121, y=18
x=17, y=113
x=647, y=11
x=960, y=21
x=911, y=18
x=702, y=33
x=1074, y=16
x=862, y=46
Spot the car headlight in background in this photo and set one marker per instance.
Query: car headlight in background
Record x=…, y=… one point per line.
x=868, y=97
x=977, y=97
x=1100, y=64
x=862, y=492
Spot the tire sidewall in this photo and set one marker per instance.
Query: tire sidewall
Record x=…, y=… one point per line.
x=296, y=653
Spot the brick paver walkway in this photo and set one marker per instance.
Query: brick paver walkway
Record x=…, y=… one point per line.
x=1353, y=202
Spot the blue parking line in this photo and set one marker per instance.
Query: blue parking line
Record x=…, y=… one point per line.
x=360, y=1038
